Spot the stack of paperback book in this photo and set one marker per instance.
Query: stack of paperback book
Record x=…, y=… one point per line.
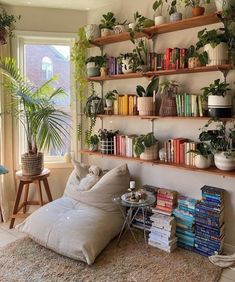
x=210, y=221
x=185, y=221
x=139, y=223
x=166, y=201
x=162, y=232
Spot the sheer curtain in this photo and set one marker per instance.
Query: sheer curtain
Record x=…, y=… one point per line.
x=7, y=183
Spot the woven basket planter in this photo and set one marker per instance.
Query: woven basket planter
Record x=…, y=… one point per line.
x=150, y=153
x=107, y=147
x=168, y=106
x=32, y=164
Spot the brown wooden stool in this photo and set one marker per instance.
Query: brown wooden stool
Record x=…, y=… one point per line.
x=25, y=181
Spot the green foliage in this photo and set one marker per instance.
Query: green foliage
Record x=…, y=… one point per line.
x=141, y=52
x=213, y=37
x=133, y=60
x=100, y=61
x=45, y=126
x=108, y=21
x=157, y=5
x=144, y=141
x=217, y=88
x=202, y=149
x=7, y=22
x=111, y=95
x=150, y=90
x=169, y=86
x=139, y=24
x=94, y=139
x=173, y=7
x=195, y=3
x=192, y=52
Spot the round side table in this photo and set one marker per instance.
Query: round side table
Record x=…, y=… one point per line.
x=24, y=182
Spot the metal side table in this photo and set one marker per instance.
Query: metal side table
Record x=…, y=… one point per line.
x=130, y=215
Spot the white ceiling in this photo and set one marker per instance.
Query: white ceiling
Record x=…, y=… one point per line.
x=61, y=4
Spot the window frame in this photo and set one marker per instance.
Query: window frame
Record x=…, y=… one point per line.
x=46, y=38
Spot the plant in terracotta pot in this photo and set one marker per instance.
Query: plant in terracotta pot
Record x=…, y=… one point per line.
x=215, y=44
x=219, y=100
x=45, y=126
x=169, y=90
x=158, y=17
x=173, y=12
x=141, y=55
x=196, y=59
x=196, y=5
x=107, y=24
x=93, y=142
x=146, y=97
x=146, y=147
x=110, y=97
x=221, y=139
x=7, y=25
x=203, y=155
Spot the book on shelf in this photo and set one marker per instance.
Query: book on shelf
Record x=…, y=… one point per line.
x=189, y=105
x=124, y=145
x=126, y=104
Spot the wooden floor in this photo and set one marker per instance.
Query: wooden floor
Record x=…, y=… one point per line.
x=7, y=236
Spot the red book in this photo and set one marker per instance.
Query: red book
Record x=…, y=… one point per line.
x=115, y=144
x=175, y=150
x=178, y=142
x=168, y=58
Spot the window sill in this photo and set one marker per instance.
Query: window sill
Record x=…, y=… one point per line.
x=58, y=165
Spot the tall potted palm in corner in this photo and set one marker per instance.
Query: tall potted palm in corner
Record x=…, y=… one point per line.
x=45, y=126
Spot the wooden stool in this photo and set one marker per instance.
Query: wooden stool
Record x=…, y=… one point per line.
x=25, y=181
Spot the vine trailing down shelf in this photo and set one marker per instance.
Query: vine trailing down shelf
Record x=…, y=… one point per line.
x=159, y=29
x=211, y=170
x=225, y=67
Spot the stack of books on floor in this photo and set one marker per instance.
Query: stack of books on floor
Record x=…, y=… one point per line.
x=138, y=221
x=210, y=221
x=185, y=222
x=162, y=232
x=166, y=201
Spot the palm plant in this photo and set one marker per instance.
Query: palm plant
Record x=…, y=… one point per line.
x=45, y=126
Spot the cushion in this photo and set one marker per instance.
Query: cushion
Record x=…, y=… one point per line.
x=80, y=226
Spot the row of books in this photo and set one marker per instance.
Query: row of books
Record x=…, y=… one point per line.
x=189, y=105
x=114, y=67
x=125, y=105
x=124, y=145
x=178, y=151
x=166, y=201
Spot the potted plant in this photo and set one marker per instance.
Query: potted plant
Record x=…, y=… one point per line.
x=141, y=55
x=120, y=27
x=106, y=141
x=169, y=90
x=219, y=100
x=215, y=44
x=223, y=4
x=221, y=141
x=203, y=155
x=197, y=9
x=110, y=97
x=93, y=142
x=158, y=17
x=173, y=12
x=196, y=59
x=107, y=24
x=7, y=25
x=45, y=126
x=96, y=64
x=146, y=147
x=92, y=31
x=128, y=62
x=145, y=101
x=102, y=62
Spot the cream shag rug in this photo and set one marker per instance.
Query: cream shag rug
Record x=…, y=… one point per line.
x=24, y=260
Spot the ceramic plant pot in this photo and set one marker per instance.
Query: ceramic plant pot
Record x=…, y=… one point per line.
x=217, y=55
x=224, y=162
x=159, y=20
x=150, y=153
x=92, y=70
x=109, y=103
x=219, y=106
x=198, y=11
x=93, y=147
x=175, y=17
x=131, y=26
x=92, y=31
x=145, y=106
x=127, y=66
x=194, y=62
x=119, y=29
x=202, y=162
x=103, y=71
x=106, y=32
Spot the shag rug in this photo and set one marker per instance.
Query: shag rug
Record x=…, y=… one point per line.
x=24, y=260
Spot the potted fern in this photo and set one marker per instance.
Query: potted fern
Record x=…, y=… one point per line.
x=146, y=147
x=7, y=25
x=145, y=101
x=107, y=24
x=45, y=126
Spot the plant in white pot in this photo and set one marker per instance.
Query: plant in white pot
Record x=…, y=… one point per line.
x=120, y=27
x=93, y=142
x=197, y=6
x=92, y=31
x=223, y=4
x=221, y=140
x=146, y=147
x=110, y=97
x=140, y=55
x=45, y=126
x=203, y=155
x=196, y=59
x=107, y=24
x=219, y=99
x=146, y=98
x=215, y=44
x=158, y=17
x=127, y=62
x=173, y=12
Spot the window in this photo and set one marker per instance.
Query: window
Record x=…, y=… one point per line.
x=47, y=68
x=40, y=59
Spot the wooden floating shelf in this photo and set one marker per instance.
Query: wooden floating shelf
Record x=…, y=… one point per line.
x=159, y=29
x=211, y=170
x=161, y=73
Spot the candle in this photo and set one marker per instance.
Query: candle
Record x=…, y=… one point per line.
x=132, y=184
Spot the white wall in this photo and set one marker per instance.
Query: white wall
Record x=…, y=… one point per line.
x=185, y=182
